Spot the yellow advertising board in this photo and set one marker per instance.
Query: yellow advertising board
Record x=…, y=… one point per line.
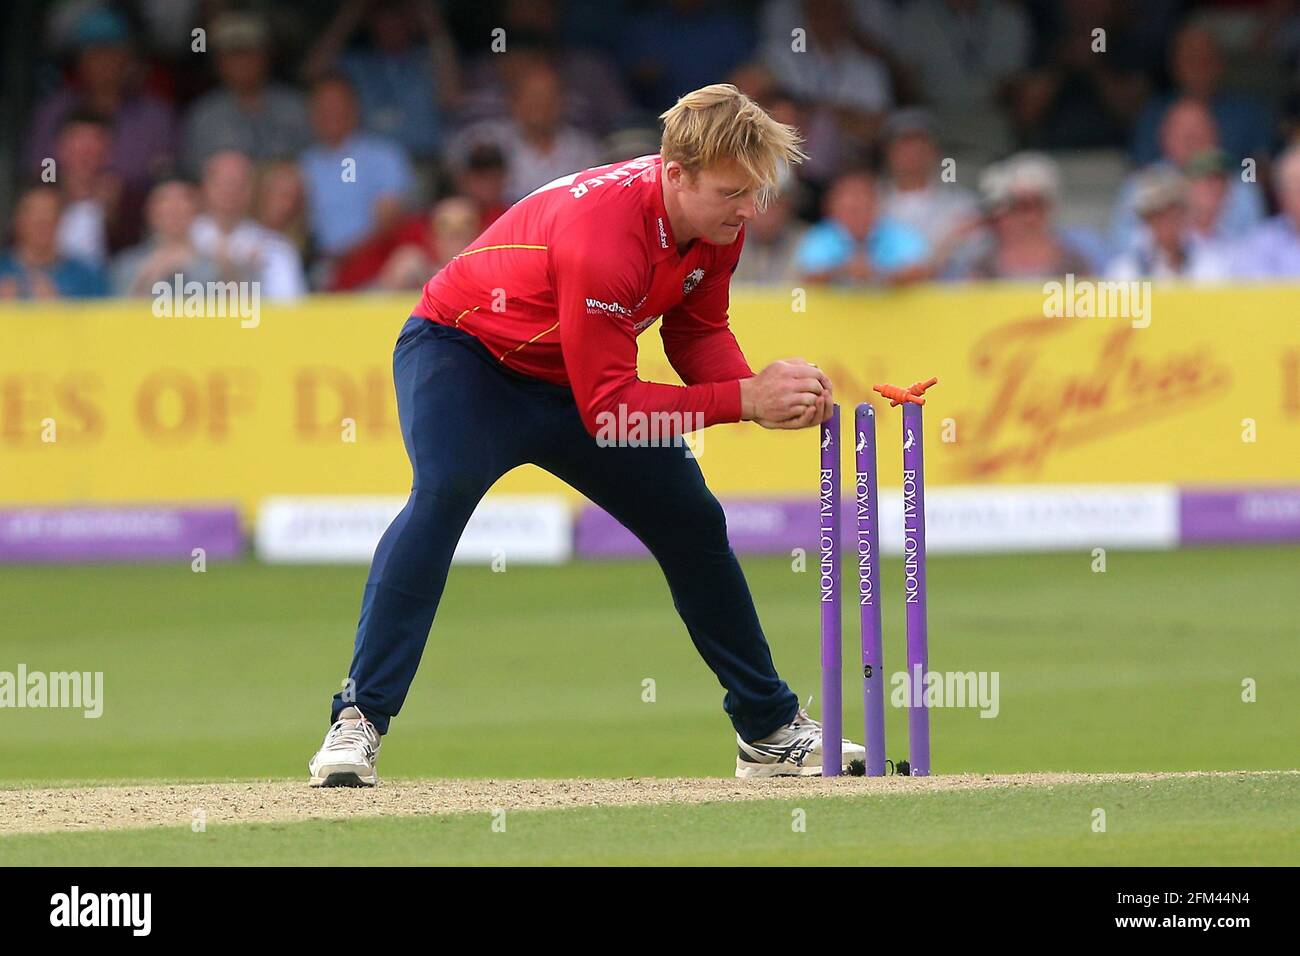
x=106, y=402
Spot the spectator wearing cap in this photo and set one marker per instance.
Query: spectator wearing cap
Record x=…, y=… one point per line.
x=406, y=76
x=913, y=193
x=1273, y=250
x=1208, y=177
x=169, y=250
x=772, y=241
x=1189, y=130
x=357, y=184
x=105, y=82
x=856, y=244
x=248, y=112
x=1196, y=67
x=537, y=144
x=244, y=250
x=34, y=268
x=1168, y=248
x=1023, y=241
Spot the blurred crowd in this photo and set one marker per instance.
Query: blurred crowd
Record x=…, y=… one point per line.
x=360, y=144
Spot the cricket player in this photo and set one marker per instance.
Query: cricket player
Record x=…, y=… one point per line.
x=523, y=349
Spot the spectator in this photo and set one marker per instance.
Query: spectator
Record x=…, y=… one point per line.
x=169, y=250
x=453, y=225
x=34, y=268
x=90, y=191
x=1168, y=248
x=482, y=178
x=357, y=184
x=965, y=57
x=1076, y=96
x=280, y=205
x=406, y=78
x=248, y=113
x=1196, y=65
x=831, y=71
x=596, y=100
x=772, y=240
x=914, y=194
x=243, y=250
x=537, y=145
x=1020, y=195
x=855, y=244
x=1273, y=250
x=1207, y=175
x=1188, y=130
x=105, y=83
x=682, y=45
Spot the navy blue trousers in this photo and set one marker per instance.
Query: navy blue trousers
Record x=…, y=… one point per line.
x=466, y=420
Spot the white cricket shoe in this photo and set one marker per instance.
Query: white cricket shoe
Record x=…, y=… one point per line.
x=794, y=750
x=347, y=757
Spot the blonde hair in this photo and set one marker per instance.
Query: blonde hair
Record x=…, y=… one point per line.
x=718, y=123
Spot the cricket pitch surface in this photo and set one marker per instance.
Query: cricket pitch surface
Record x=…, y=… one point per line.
x=145, y=805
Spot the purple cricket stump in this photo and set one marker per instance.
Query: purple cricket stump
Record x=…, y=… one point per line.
x=828, y=512
x=918, y=655
x=868, y=525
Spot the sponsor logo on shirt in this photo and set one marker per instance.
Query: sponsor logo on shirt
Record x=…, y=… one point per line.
x=645, y=324
x=613, y=308
x=663, y=234
x=692, y=280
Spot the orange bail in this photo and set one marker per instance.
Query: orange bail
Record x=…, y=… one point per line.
x=898, y=396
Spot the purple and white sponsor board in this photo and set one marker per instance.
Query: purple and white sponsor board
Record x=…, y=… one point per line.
x=1245, y=515
x=118, y=533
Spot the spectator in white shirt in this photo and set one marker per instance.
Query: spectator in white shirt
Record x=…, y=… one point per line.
x=90, y=191
x=1167, y=247
x=243, y=249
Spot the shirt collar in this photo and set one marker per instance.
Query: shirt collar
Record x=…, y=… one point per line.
x=659, y=231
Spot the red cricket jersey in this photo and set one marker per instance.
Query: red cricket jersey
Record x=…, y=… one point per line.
x=562, y=284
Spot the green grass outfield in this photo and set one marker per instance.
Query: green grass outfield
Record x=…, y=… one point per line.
x=540, y=672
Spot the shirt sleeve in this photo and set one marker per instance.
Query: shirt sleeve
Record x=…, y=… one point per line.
x=599, y=344
x=697, y=336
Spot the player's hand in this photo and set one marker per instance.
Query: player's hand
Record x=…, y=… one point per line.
x=791, y=393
